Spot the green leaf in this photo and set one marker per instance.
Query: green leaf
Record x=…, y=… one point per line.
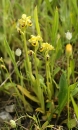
x=36, y=21
x=73, y=89
x=55, y=27
x=11, y=55
x=72, y=66
x=74, y=3
x=49, y=6
x=39, y=110
x=73, y=86
x=40, y=97
x=56, y=70
x=72, y=123
x=9, y=85
x=75, y=106
x=27, y=93
x=18, y=5
x=63, y=90
x=45, y=125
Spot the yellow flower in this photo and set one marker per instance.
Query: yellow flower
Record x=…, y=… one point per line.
x=29, y=23
x=24, y=22
x=34, y=43
x=46, y=47
x=69, y=49
x=30, y=52
x=24, y=16
x=35, y=39
x=39, y=38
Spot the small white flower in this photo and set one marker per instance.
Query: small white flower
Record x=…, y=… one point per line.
x=18, y=52
x=68, y=35
x=13, y=123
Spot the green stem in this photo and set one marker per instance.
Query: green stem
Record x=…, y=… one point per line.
x=28, y=63
x=68, y=111
x=38, y=90
x=47, y=78
x=36, y=69
x=51, y=84
x=68, y=70
x=68, y=90
x=26, y=52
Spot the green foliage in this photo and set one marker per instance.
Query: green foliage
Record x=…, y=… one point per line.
x=63, y=90
x=33, y=75
x=75, y=106
x=36, y=21
x=55, y=27
x=11, y=54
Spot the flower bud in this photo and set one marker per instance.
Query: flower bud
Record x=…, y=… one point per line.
x=18, y=52
x=69, y=49
x=13, y=123
x=68, y=35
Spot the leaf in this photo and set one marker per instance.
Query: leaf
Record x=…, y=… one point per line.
x=39, y=110
x=73, y=86
x=72, y=66
x=75, y=106
x=45, y=125
x=32, y=117
x=27, y=93
x=72, y=123
x=9, y=85
x=49, y=6
x=16, y=93
x=18, y=5
x=55, y=26
x=41, y=97
x=63, y=90
x=56, y=70
x=73, y=89
x=75, y=7
x=36, y=21
x=64, y=16
x=42, y=84
x=11, y=55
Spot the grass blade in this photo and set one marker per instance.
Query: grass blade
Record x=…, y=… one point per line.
x=11, y=55
x=36, y=21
